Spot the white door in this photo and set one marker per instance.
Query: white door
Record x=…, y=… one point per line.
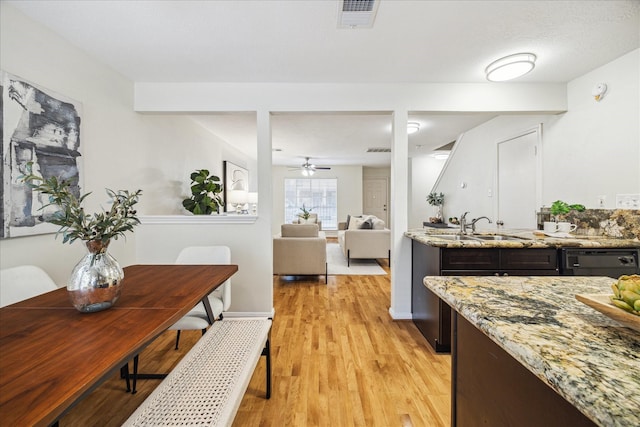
x=518, y=186
x=376, y=198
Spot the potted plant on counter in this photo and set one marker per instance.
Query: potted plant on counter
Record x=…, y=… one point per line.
x=437, y=200
x=205, y=194
x=560, y=209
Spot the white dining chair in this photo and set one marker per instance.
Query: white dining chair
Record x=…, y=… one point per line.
x=23, y=282
x=220, y=299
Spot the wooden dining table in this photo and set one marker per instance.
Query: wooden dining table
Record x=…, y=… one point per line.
x=52, y=355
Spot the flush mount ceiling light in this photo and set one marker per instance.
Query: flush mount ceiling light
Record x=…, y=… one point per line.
x=413, y=127
x=510, y=67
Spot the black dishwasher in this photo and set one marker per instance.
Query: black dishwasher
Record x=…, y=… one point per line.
x=599, y=262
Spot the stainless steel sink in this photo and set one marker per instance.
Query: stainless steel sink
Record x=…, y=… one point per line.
x=478, y=237
x=453, y=237
x=497, y=237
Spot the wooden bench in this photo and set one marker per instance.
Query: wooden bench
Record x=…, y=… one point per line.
x=207, y=385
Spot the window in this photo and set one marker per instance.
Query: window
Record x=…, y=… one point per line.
x=321, y=195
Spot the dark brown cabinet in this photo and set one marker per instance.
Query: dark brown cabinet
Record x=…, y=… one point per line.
x=491, y=388
x=431, y=315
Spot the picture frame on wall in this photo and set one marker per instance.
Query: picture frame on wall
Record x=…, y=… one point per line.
x=41, y=128
x=236, y=186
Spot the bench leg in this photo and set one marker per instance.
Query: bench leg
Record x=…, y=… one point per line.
x=266, y=351
x=348, y=257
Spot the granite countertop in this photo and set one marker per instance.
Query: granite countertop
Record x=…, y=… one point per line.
x=589, y=359
x=523, y=239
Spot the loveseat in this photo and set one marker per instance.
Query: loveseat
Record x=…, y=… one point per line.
x=364, y=236
x=300, y=249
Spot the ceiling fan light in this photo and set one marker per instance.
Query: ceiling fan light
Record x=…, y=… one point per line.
x=413, y=127
x=510, y=67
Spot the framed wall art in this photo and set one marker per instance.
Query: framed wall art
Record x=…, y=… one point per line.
x=236, y=186
x=40, y=127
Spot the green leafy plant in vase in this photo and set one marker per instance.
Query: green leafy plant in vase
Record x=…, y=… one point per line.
x=95, y=282
x=306, y=213
x=560, y=209
x=437, y=200
x=205, y=193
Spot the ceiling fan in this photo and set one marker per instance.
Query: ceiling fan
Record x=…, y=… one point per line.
x=309, y=169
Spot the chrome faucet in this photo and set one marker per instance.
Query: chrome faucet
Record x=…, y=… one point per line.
x=473, y=222
x=463, y=223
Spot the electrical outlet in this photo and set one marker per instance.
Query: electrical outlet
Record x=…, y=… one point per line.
x=628, y=201
x=601, y=201
x=489, y=193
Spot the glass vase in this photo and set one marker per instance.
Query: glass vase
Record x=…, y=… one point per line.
x=95, y=282
x=438, y=213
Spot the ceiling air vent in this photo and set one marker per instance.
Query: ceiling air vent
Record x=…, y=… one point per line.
x=378, y=150
x=357, y=13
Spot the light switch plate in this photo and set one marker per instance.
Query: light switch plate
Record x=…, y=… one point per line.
x=628, y=201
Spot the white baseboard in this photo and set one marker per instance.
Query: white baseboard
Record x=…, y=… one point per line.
x=400, y=316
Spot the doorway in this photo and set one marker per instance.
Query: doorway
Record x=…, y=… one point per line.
x=376, y=198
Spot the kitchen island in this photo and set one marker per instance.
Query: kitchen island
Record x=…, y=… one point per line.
x=527, y=353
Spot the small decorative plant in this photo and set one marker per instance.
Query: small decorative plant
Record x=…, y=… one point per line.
x=74, y=222
x=437, y=200
x=560, y=208
x=205, y=193
x=306, y=213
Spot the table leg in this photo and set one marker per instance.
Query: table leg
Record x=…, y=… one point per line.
x=208, y=309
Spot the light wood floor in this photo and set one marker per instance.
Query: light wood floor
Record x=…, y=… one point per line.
x=338, y=360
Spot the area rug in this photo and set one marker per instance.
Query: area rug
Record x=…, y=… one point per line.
x=337, y=264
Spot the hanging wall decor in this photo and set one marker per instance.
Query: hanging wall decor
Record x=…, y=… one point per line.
x=236, y=181
x=41, y=127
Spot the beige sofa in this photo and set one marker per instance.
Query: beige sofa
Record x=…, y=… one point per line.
x=300, y=249
x=356, y=242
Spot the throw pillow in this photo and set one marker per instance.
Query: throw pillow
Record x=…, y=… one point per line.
x=367, y=224
x=378, y=224
x=355, y=223
x=349, y=223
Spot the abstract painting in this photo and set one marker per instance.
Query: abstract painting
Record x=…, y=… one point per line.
x=41, y=127
x=235, y=178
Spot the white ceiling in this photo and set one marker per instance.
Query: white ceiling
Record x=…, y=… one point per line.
x=299, y=41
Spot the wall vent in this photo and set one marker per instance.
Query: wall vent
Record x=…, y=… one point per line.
x=378, y=150
x=357, y=13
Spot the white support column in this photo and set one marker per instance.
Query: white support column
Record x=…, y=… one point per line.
x=265, y=196
x=400, y=245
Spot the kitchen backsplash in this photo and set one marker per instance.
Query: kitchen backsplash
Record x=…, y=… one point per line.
x=622, y=223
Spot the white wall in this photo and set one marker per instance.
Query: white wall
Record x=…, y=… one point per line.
x=473, y=162
x=424, y=173
x=594, y=148
x=591, y=150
